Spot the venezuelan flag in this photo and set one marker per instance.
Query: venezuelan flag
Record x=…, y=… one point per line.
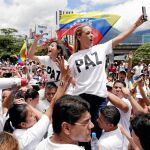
x=67, y=18
x=23, y=53
x=100, y=23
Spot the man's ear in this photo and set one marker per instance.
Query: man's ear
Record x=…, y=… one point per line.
x=111, y=126
x=23, y=125
x=66, y=128
x=79, y=37
x=29, y=100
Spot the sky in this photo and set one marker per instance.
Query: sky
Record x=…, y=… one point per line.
x=24, y=14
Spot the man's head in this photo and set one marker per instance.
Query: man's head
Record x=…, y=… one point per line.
x=132, y=71
x=117, y=88
x=110, y=78
x=39, y=72
x=5, y=94
x=50, y=90
x=109, y=117
x=71, y=118
x=24, y=69
x=122, y=75
x=32, y=97
x=141, y=126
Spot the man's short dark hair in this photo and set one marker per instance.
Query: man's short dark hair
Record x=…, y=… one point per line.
x=111, y=114
x=123, y=72
x=68, y=109
x=31, y=93
x=141, y=126
x=50, y=85
x=119, y=81
x=20, y=94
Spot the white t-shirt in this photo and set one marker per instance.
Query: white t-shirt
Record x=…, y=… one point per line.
x=50, y=131
x=3, y=117
x=41, y=94
x=125, y=116
x=138, y=70
x=30, y=138
x=122, y=68
x=138, y=94
x=113, y=140
x=48, y=145
x=52, y=69
x=88, y=68
x=43, y=105
x=125, y=120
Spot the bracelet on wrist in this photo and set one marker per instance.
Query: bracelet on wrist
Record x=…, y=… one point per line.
x=62, y=83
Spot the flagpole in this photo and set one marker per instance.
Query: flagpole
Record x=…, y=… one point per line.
x=26, y=50
x=35, y=29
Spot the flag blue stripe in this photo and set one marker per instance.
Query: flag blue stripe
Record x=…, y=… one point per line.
x=74, y=22
x=101, y=24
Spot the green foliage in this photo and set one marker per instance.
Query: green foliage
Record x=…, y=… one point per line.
x=8, y=31
x=10, y=44
x=142, y=53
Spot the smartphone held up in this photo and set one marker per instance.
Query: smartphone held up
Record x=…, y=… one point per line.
x=144, y=13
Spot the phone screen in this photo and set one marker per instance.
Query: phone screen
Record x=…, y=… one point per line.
x=144, y=13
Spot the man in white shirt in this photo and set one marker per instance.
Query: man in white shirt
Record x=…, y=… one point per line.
x=4, y=104
x=111, y=138
x=2, y=117
x=124, y=106
x=25, y=73
x=70, y=117
x=48, y=94
x=138, y=69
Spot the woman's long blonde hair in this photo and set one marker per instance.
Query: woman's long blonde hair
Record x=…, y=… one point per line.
x=77, y=33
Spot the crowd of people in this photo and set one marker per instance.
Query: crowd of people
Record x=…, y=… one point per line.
x=55, y=102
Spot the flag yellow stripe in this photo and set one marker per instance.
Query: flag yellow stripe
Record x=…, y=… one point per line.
x=22, y=52
x=66, y=18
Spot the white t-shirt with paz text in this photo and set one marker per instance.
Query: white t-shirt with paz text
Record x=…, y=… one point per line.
x=52, y=69
x=88, y=68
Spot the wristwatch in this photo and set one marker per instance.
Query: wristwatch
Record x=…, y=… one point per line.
x=61, y=83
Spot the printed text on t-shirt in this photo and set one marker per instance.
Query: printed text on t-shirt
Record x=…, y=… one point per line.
x=53, y=74
x=88, y=62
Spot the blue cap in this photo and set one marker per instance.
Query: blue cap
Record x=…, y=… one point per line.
x=93, y=134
